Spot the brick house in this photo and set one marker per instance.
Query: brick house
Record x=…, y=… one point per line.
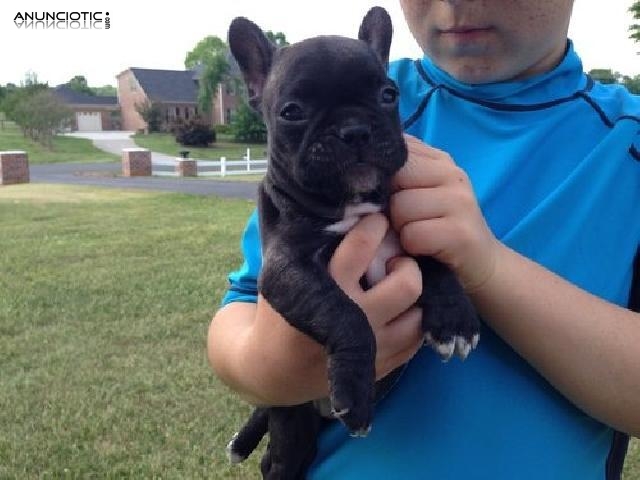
x=176, y=91
x=90, y=113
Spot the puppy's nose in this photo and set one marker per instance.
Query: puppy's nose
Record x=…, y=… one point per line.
x=355, y=135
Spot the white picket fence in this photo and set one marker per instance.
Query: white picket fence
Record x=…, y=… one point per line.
x=213, y=168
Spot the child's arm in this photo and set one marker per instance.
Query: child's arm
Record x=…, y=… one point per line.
x=258, y=354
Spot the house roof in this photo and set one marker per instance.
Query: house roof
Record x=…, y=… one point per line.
x=168, y=85
x=73, y=97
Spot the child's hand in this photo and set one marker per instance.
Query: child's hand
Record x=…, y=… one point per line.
x=389, y=305
x=436, y=214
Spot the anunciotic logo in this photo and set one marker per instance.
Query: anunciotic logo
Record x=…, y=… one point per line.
x=62, y=20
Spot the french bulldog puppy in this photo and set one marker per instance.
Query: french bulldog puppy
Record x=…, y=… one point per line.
x=334, y=143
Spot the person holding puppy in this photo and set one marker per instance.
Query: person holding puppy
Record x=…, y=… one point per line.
x=524, y=178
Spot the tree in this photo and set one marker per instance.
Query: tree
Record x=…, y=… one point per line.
x=632, y=84
x=105, y=90
x=605, y=75
x=634, y=29
x=79, y=84
x=151, y=113
x=279, y=39
x=40, y=115
x=16, y=95
x=209, y=56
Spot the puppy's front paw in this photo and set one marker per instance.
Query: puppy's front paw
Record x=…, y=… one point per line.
x=352, y=393
x=451, y=325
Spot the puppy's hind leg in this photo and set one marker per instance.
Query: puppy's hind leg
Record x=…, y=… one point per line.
x=293, y=433
x=247, y=439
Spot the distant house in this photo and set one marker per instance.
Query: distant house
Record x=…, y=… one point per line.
x=91, y=113
x=176, y=91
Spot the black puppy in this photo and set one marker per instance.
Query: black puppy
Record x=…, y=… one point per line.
x=335, y=142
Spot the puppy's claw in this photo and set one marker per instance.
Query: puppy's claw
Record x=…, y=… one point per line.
x=445, y=350
x=428, y=340
x=474, y=341
x=361, y=433
x=462, y=348
x=339, y=413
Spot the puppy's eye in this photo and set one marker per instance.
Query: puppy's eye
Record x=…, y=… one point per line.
x=292, y=112
x=388, y=96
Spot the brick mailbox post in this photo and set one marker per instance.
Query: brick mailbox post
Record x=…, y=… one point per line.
x=186, y=167
x=136, y=162
x=14, y=167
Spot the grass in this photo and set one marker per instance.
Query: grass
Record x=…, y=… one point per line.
x=65, y=149
x=224, y=147
x=105, y=298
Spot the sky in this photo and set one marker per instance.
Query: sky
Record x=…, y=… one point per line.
x=147, y=35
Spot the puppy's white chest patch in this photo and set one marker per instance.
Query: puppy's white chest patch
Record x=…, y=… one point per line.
x=352, y=213
x=389, y=248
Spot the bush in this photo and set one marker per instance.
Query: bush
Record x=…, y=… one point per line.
x=222, y=129
x=247, y=125
x=151, y=113
x=194, y=133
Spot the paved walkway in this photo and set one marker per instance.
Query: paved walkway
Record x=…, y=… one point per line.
x=109, y=174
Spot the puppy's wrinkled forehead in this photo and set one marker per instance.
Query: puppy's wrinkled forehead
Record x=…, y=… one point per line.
x=324, y=67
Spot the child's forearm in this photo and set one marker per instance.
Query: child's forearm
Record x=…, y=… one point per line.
x=587, y=348
x=263, y=358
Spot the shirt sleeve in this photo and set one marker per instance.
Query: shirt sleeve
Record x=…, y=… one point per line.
x=243, y=283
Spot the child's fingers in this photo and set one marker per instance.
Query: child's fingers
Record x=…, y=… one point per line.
x=356, y=251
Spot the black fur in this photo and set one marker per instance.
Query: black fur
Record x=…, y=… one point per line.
x=335, y=139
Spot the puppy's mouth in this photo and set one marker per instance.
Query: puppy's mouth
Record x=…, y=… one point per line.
x=362, y=178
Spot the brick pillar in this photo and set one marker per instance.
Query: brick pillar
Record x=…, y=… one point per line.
x=186, y=168
x=14, y=167
x=136, y=162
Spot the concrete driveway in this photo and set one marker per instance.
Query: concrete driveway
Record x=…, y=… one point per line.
x=109, y=141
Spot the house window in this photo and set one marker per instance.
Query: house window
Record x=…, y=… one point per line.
x=177, y=112
x=227, y=116
x=186, y=113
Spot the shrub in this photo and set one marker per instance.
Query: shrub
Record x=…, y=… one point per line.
x=194, y=133
x=222, y=129
x=247, y=125
x=151, y=113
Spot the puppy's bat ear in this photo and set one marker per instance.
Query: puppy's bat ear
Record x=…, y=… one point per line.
x=376, y=30
x=254, y=53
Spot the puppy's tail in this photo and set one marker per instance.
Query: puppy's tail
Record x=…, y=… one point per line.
x=247, y=439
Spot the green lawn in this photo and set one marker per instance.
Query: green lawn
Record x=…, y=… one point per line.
x=105, y=298
x=65, y=149
x=224, y=147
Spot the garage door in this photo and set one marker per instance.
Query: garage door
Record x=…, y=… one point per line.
x=89, y=121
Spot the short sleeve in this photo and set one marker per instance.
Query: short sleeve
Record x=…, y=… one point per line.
x=243, y=283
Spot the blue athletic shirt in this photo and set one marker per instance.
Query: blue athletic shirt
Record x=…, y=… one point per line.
x=555, y=163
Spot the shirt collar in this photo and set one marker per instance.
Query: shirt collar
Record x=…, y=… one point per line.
x=564, y=80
